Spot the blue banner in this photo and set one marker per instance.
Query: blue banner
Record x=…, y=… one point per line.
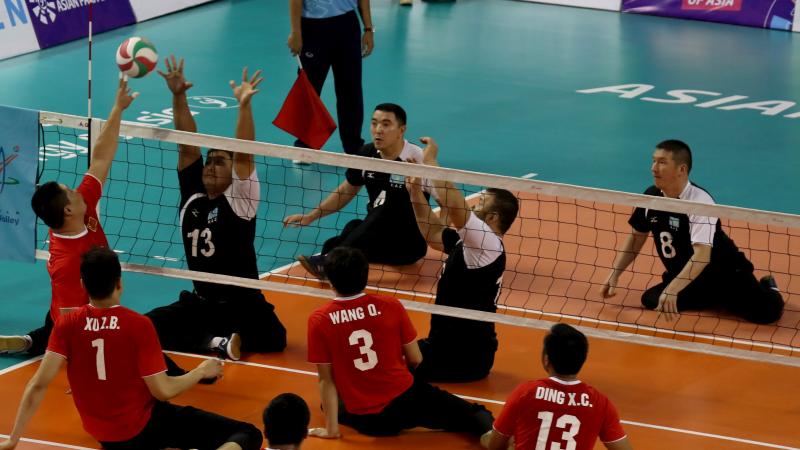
x=19, y=150
x=61, y=21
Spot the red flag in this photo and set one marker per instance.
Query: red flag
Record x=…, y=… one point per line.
x=304, y=116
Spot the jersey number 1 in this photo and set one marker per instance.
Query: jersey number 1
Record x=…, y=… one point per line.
x=100, y=358
x=365, y=349
x=568, y=436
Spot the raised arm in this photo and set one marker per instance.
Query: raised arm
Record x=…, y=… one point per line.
x=330, y=404
x=430, y=225
x=164, y=387
x=106, y=146
x=625, y=255
x=184, y=121
x=32, y=397
x=451, y=198
x=245, y=126
x=337, y=200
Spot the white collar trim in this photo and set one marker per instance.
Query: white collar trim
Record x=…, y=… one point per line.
x=72, y=236
x=565, y=383
x=352, y=297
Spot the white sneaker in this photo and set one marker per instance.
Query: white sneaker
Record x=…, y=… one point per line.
x=230, y=347
x=14, y=344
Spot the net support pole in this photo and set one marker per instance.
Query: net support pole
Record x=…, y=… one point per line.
x=89, y=87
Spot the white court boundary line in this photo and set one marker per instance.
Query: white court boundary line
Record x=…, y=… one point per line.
x=499, y=402
x=50, y=443
x=466, y=397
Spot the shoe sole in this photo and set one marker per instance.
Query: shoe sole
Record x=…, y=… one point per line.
x=309, y=267
x=12, y=344
x=234, y=347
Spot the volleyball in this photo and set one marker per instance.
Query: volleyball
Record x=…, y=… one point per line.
x=136, y=57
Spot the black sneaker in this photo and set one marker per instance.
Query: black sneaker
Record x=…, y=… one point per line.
x=768, y=281
x=315, y=265
x=230, y=347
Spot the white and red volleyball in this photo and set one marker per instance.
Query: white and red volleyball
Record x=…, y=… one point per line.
x=136, y=57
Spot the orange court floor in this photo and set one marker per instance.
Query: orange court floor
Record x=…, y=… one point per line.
x=668, y=399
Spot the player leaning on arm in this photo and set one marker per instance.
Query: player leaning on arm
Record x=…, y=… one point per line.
x=459, y=350
x=560, y=411
x=117, y=374
x=363, y=346
x=704, y=268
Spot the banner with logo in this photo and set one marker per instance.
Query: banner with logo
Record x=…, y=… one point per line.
x=776, y=14
x=16, y=30
x=59, y=21
x=19, y=151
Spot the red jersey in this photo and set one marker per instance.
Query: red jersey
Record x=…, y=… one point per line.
x=109, y=351
x=64, y=264
x=363, y=337
x=570, y=414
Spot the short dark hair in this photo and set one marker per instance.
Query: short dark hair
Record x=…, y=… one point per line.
x=48, y=204
x=100, y=272
x=566, y=349
x=347, y=269
x=506, y=205
x=208, y=153
x=397, y=110
x=286, y=420
x=680, y=151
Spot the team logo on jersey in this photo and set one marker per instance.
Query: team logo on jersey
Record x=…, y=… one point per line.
x=397, y=180
x=674, y=223
x=369, y=175
x=91, y=224
x=212, y=216
x=195, y=212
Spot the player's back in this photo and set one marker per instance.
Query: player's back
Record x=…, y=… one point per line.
x=570, y=414
x=109, y=351
x=363, y=339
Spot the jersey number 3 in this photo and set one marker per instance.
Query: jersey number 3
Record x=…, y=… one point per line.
x=569, y=423
x=205, y=235
x=363, y=339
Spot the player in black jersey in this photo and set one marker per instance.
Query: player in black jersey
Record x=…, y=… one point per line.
x=704, y=268
x=219, y=201
x=459, y=350
x=388, y=234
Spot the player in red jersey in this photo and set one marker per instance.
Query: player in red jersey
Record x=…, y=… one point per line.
x=71, y=215
x=362, y=345
x=117, y=374
x=560, y=411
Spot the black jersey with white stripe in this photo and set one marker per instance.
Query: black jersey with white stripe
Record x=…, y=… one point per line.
x=218, y=234
x=389, y=202
x=471, y=278
x=675, y=233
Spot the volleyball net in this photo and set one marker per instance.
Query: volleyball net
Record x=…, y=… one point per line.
x=560, y=249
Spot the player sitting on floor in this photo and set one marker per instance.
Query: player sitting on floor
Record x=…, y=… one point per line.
x=559, y=411
x=117, y=375
x=388, y=234
x=704, y=268
x=459, y=350
x=363, y=346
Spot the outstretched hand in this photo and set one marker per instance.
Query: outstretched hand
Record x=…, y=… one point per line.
x=431, y=151
x=124, y=97
x=8, y=445
x=245, y=91
x=174, y=76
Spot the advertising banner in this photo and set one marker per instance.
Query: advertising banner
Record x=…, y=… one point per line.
x=776, y=14
x=609, y=5
x=16, y=30
x=59, y=21
x=19, y=152
x=148, y=9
